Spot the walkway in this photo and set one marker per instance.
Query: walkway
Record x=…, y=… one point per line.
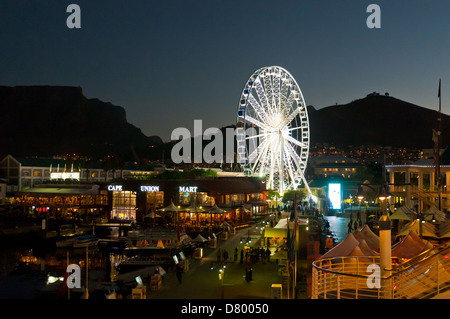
x=200, y=282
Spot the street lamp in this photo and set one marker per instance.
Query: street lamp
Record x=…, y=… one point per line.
x=360, y=196
x=384, y=224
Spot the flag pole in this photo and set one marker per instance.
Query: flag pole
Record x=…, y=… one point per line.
x=438, y=164
x=295, y=246
x=288, y=260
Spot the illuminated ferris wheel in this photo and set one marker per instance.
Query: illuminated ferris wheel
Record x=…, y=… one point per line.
x=272, y=129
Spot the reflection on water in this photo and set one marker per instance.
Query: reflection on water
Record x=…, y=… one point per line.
x=338, y=225
x=24, y=268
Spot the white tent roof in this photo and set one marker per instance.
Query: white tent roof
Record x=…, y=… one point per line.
x=344, y=248
x=411, y=245
x=282, y=223
x=433, y=211
x=372, y=240
x=428, y=230
x=216, y=210
x=400, y=214
x=170, y=208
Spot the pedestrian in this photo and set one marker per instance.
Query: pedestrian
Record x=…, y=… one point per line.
x=235, y=254
x=350, y=225
x=268, y=254
x=219, y=255
x=355, y=225
x=225, y=255
x=248, y=273
x=242, y=256
x=179, y=272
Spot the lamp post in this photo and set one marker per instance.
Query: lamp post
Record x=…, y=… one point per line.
x=360, y=196
x=384, y=224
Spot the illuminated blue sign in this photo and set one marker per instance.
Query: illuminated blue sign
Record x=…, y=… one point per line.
x=334, y=194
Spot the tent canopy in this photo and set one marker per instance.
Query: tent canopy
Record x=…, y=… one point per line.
x=366, y=234
x=170, y=208
x=400, y=214
x=216, y=210
x=411, y=245
x=434, y=212
x=344, y=248
x=428, y=230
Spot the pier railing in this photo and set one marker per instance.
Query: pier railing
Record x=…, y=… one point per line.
x=421, y=277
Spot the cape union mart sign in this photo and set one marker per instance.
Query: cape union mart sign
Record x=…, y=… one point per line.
x=188, y=189
x=149, y=188
x=143, y=188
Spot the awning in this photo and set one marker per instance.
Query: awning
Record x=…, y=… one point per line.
x=61, y=190
x=275, y=232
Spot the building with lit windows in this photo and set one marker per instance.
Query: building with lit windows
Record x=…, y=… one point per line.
x=24, y=172
x=237, y=196
x=334, y=166
x=415, y=184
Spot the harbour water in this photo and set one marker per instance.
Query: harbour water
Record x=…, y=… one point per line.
x=338, y=226
x=27, y=263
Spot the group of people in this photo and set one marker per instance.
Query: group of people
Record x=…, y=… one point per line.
x=353, y=226
x=250, y=256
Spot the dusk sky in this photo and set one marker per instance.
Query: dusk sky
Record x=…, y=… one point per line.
x=170, y=62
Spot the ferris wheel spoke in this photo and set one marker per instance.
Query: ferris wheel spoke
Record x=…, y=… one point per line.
x=257, y=107
x=294, y=141
x=276, y=93
x=283, y=96
x=292, y=172
x=256, y=122
x=256, y=151
x=260, y=135
x=268, y=89
x=296, y=158
x=261, y=155
x=291, y=116
x=300, y=170
x=294, y=128
x=290, y=99
x=262, y=94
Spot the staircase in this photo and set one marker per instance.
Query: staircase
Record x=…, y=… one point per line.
x=424, y=196
x=422, y=277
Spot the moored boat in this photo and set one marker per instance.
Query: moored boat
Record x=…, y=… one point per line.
x=85, y=241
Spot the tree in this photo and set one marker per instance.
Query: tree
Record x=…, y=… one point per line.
x=288, y=196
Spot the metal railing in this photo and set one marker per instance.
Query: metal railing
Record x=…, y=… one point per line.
x=424, y=276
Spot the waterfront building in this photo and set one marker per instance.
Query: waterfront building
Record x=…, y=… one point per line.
x=333, y=166
x=75, y=200
x=23, y=172
x=199, y=199
x=415, y=184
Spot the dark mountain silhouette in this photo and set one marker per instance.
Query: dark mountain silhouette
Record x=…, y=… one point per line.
x=377, y=120
x=51, y=120
x=55, y=120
